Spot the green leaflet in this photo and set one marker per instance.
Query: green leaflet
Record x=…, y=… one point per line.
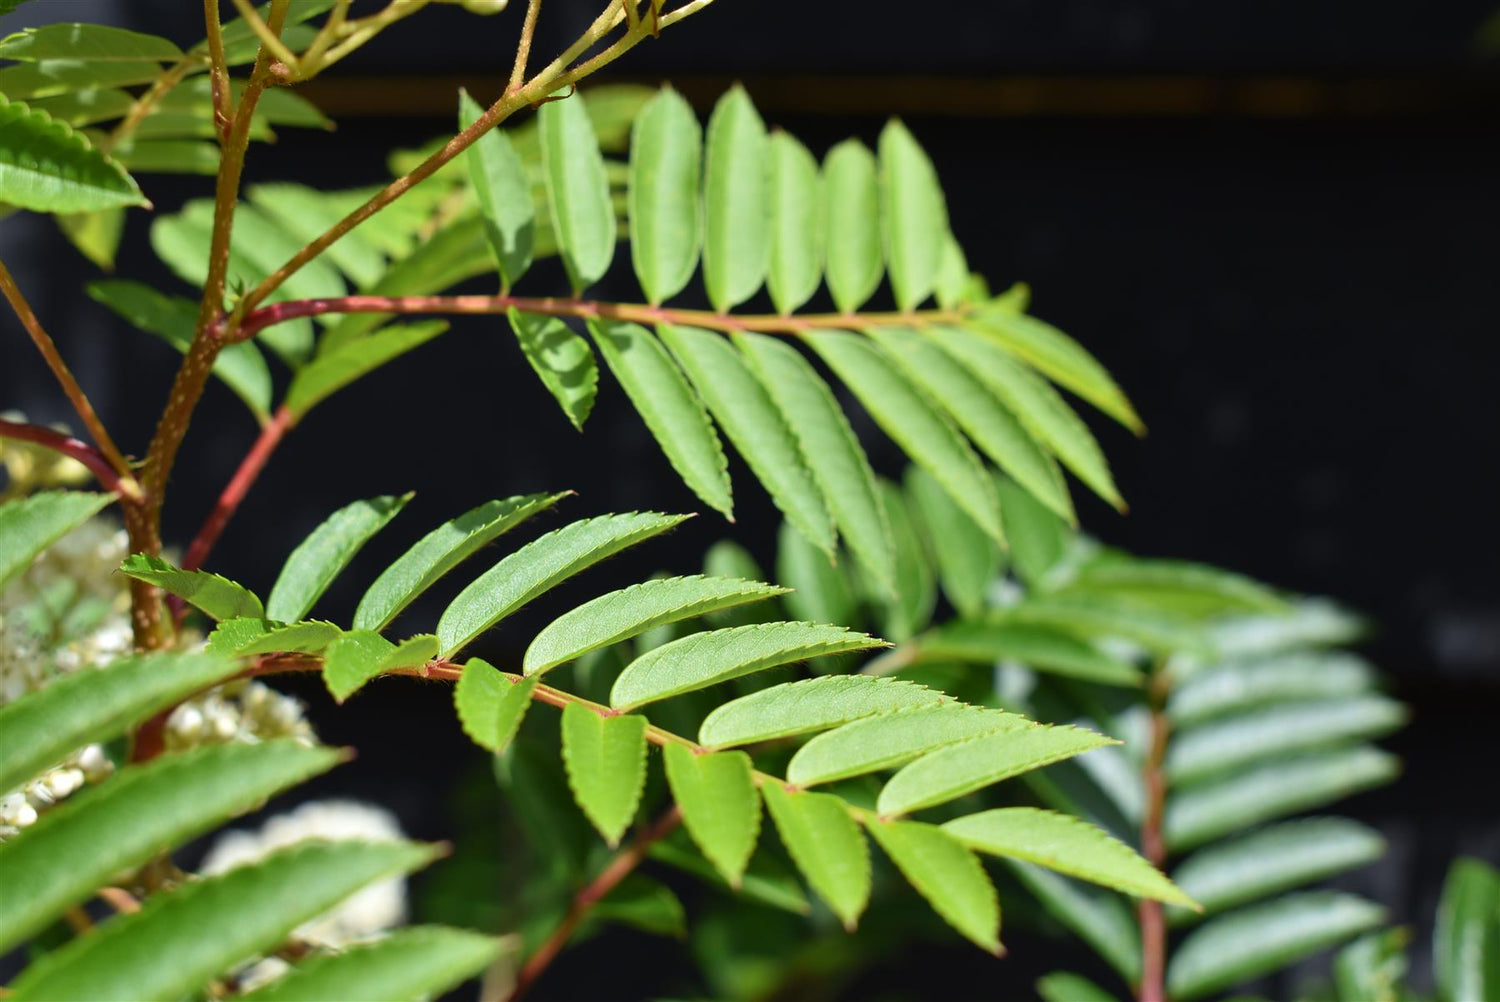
x=666, y=148
x=503, y=191
x=1271, y=790
x=969, y=403
x=1066, y=844
x=85, y=107
x=1466, y=941
x=353, y=659
x=829, y=448
x=821, y=590
x=720, y=807
x=122, y=824
x=1037, y=647
x=702, y=659
x=490, y=706
x=914, y=215
x=628, y=612
x=577, y=191
x=853, y=249
x=1274, y=859
x=886, y=740
x=951, y=772
x=737, y=212
x=1264, y=938
x=232, y=634
x=912, y=422
x=765, y=881
x=1173, y=584
x=606, y=763
x=1038, y=537
x=333, y=370
x=307, y=214
x=947, y=874
x=1062, y=986
x=1311, y=623
x=1061, y=359
x=1243, y=739
x=441, y=550
x=47, y=167
x=96, y=234
x=31, y=524
x=257, y=247
x=1372, y=967
x=40, y=729
x=168, y=156
x=813, y=704
x=825, y=843
x=217, y=596
x=1101, y=918
x=1092, y=619
x=97, y=43
x=539, y=566
x=644, y=904
x=794, y=263
x=669, y=407
x=967, y=560
x=310, y=637
x=745, y=411
x=1041, y=410
x=51, y=77
x=241, y=366
x=325, y=552
x=561, y=359
x=910, y=609
x=181, y=939
x=1244, y=685
x=407, y=965
x=953, y=281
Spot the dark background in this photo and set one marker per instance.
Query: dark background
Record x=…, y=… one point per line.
x=1274, y=222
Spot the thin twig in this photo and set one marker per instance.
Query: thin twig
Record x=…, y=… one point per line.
x=269, y=34
x=218, y=72
x=91, y=458
x=234, y=492
x=120, y=900
x=276, y=313
x=523, y=47
x=608, y=879
x=1150, y=914
x=61, y=372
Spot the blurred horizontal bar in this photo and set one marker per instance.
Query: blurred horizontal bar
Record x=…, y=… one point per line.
x=1043, y=96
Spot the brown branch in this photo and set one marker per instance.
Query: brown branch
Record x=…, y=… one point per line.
x=63, y=374
x=276, y=313
x=583, y=902
x=73, y=448
x=1150, y=914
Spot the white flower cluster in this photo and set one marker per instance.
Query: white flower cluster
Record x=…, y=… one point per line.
x=81, y=565
x=242, y=711
x=19, y=809
x=371, y=911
